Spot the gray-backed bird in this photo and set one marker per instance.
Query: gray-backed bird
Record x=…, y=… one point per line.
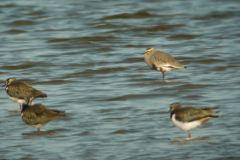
x=161, y=61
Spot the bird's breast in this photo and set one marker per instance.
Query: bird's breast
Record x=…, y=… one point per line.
x=185, y=125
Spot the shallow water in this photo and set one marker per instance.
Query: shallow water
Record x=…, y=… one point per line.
x=86, y=55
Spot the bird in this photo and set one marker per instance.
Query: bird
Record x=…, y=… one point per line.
x=38, y=115
x=188, y=118
x=161, y=61
x=19, y=92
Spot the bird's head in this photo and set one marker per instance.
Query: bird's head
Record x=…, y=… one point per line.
x=174, y=106
x=148, y=51
x=9, y=81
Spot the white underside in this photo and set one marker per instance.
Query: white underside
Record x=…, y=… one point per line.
x=16, y=100
x=167, y=68
x=185, y=125
x=37, y=125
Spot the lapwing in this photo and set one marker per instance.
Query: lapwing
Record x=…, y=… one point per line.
x=38, y=115
x=19, y=92
x=188, y=118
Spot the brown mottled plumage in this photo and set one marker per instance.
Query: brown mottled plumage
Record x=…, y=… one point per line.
x=188, y=118
x=38, y=115
x=19, y=92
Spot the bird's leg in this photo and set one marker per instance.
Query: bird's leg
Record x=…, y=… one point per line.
x=163, y=75
x=189, y=134
x=38, y=130
x=20, y=106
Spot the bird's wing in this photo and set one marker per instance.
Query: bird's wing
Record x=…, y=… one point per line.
x=158, y=59
x=163, y=59
x=45, y=113
x=36, y=114
x=19, y=90
x=39, y=109
x=41, y=113
x=57, y=111
x=189, y=114
x=37, y=93
x=53, y=114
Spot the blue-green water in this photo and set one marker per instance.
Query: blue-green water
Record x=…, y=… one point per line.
x=86, y=55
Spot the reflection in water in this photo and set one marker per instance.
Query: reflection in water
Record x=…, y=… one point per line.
x=44, y=133
x=41, y=133
x=191, y=140
x=165, y=81
x=14, y=111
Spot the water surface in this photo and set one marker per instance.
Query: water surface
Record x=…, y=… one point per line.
x=86, y=55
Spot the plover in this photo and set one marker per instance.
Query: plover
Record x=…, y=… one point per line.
x=161, y=61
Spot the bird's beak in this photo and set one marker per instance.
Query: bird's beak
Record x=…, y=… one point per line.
x=169, y=111
x=4, y=85
x=142, y=53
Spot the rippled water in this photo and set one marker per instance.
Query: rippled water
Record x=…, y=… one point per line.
x=86, y=55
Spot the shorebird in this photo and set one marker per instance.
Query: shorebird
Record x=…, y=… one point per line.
x=19, y=92
x=161, y=61
x=38, y=115
x=188, y=118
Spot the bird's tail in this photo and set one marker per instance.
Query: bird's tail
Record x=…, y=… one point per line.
x=43, y=95
x=58, y=112
x=38, y=93
x=217, y=116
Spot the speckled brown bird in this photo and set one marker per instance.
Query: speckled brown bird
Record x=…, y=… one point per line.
x=19, y=92
x=38, y=115
x=188, y=118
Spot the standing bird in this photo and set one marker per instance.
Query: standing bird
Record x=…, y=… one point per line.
x=38, y=115
x=161, y=61
x=188, y=118
x=19, y=92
